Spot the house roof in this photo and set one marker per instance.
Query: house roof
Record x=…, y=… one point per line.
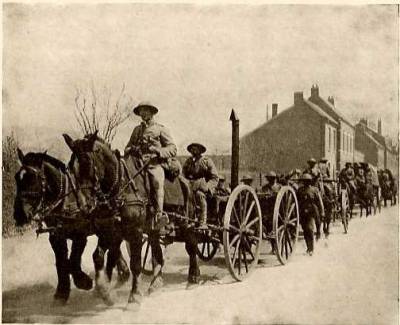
x=319, y=110
x=311, y=105
x=335, y=111
x=369, y=136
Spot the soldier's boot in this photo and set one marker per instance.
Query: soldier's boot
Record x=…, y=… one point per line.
x=203, y=214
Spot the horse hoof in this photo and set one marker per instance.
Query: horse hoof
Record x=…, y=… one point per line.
x=83, y=281
x=135, y=299
x=193, y=279
x=156, y=284
x=104, y=295
x=60, y=299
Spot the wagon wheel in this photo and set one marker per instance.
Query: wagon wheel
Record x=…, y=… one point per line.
x=345, y=209
x=207, y=248
x=286, y=223
x=242, y=233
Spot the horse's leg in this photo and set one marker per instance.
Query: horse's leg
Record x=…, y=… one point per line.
x=122, y=268
x=135, y=238
x=81, y=279
x=191, y=249
x=102, y=280
x=158, y=261
x=60, y=248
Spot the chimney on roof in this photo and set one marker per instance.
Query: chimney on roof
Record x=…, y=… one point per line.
x=364, y=121
x=298, y=98
x=331, y=100
x=379, y=127
x=274, y=109
x=314, y=91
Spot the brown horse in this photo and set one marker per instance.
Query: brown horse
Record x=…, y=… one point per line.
x=46, y=193
x=121, y=183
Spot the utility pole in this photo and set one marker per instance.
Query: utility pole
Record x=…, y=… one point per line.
x=235, y=150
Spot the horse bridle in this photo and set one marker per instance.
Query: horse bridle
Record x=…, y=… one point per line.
x=41, y=211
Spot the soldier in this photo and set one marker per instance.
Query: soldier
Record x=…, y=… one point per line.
x=324, y=168
x=347, y=176
x=312, y=169
x=271, y=187
x=152, y=143
x=247, y=180
x=221, y=189
x=360, y=180
x=310, y=210
x=203, y=177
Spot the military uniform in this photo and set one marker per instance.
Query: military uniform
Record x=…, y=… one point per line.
x=143, y=137
x=310, y=210
x=221, y=190
x=203, y=177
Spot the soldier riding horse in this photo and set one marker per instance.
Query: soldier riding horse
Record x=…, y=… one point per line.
x=123, y=184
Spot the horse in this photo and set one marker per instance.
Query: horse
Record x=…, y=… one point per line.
x=46, y=194
x=388, y=186
x=123, y=182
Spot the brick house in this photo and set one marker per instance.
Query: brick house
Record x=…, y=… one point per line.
x=346, y=132
x=290, y=138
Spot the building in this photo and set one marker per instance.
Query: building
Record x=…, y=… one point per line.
x=290, y=138
x=370, y=143
x=346, y=132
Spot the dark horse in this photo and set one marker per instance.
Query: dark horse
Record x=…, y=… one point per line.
x=388, y=186
x=122, y=182
x=46, y=193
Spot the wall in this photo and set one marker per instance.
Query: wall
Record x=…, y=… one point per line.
x=284, y=142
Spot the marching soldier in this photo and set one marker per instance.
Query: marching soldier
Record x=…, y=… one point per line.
x=152, y=143
x=310, y=210
x=203, y=177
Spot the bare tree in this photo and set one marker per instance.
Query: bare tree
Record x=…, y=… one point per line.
x=100, y=111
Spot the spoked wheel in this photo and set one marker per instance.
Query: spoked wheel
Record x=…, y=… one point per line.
x=286, y=223
x=345, y=209
x=242, y=234
x=206, y=249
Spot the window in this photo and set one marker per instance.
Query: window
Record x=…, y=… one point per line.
x=329, y=139
x=334, y=140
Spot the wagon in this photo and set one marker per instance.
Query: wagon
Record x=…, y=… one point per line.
x=241, y=223
x=240, y=226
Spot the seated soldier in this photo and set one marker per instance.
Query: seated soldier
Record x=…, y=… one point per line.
x=247, y=180
x=203, y=177
x=324, y=168
x=312, y=169
x=271, y=187
x=347, y=177
x=221, y=189
x=360, y=179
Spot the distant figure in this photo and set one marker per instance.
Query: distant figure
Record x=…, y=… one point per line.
x=203, y=177
x=271, y=187
x=324, y=168
x=221, y=188
x=347, y=177
x=311, y=210
x=312, y=169
x=247, y=180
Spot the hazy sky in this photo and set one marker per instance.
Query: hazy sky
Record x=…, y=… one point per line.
x=198, y=62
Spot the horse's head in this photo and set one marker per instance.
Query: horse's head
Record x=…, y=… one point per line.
x=90, y=162
x=30, y=181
